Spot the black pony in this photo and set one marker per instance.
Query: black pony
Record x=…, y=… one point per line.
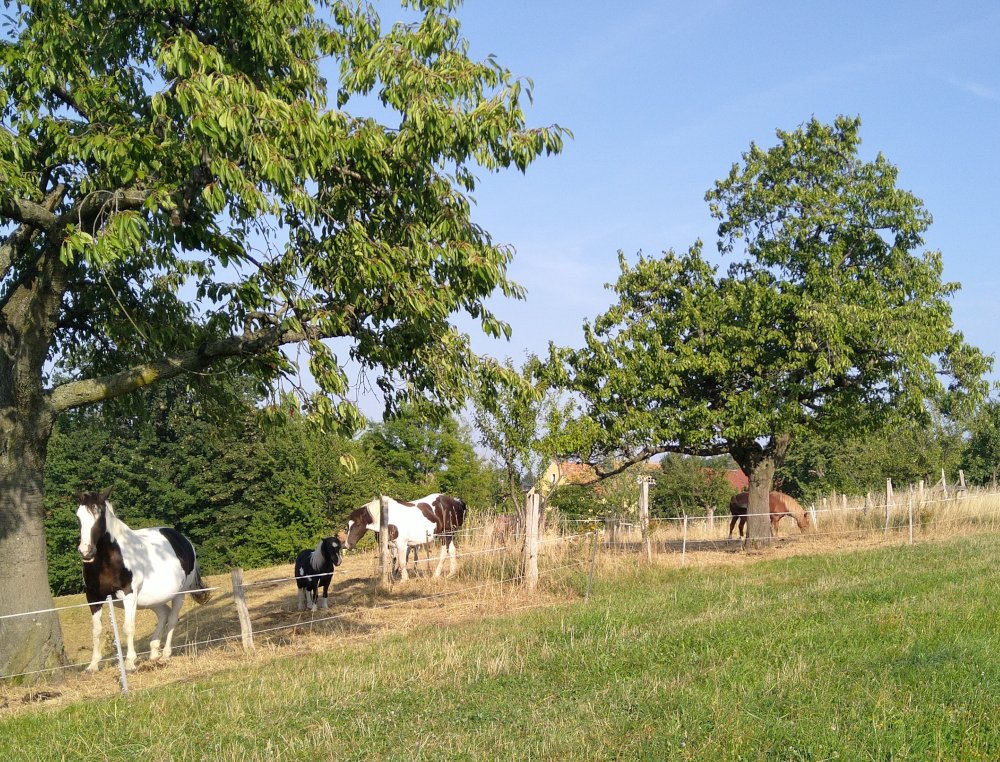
x=314, y=568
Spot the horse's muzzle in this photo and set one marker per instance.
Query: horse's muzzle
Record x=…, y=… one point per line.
x=88, y=555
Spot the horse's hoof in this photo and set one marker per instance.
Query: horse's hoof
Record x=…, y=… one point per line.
x=130, y=666
x=91, y=668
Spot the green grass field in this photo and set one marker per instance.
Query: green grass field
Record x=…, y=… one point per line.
x=881, y=654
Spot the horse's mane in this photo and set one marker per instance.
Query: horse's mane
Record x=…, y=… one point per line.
x=794, y=509
x=115, y=526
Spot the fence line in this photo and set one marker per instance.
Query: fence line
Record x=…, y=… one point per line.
x=898, y=507
x=95, y=603
x=186, y=647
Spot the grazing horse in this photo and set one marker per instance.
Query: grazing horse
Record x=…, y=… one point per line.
x=505, y=525
x=412, y=524
x=143, y=568
x=314, y=569
x=779, y=505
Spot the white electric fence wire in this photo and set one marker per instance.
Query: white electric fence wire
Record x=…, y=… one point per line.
x=897, y=510
x=195, y=644
x=95, y=603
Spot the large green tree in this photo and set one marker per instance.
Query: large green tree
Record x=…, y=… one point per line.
x=981, y=458
x=182, y=190
x=856, y=463
x=418, y=453
x=830, y=319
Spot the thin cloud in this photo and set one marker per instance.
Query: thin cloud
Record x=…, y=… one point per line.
x=984, y=92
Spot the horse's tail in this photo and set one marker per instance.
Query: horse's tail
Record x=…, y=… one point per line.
x=202, y=595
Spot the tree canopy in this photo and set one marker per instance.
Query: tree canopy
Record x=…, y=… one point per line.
x=829, y=319
x=187, y=187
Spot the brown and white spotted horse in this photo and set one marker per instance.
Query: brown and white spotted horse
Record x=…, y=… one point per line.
x=143, y=568
x=779, y=505
x=412, y=525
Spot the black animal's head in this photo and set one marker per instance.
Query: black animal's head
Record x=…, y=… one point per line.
x=331, y=548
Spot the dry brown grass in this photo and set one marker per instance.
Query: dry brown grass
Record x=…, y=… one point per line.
x=840, y=526
x=207, y=639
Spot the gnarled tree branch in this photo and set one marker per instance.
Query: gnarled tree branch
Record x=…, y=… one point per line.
x=88, y=391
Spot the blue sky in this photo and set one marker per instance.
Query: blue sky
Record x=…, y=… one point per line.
x=664, y=97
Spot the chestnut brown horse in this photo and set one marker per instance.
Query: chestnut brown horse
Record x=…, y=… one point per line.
x=779, y=505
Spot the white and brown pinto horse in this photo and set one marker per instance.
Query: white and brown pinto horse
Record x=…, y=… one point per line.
x=143, y=568
x=779, y=506
x=412, y=525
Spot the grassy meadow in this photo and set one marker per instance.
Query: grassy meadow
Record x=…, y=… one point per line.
x=885, y=653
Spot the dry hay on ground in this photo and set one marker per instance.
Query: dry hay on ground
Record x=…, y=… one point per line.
x=357, y=614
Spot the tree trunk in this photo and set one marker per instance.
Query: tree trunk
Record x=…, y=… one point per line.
x=759, y=464
x=34, y=642
x=761, y=477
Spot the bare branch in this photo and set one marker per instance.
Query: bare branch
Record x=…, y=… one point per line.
x=67, y=98
x=28, y=213
x=87, y=391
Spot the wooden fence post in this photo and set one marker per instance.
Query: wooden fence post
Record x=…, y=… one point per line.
x=684, y=542
x=962, y=489
x=593, y=565
x=909, y=507
x=644, y=482
x=888, y=503
x=530, y=563
x=944, y=485
x=384, y=562
x=239, y=596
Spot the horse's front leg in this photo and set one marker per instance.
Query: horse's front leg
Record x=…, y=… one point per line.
x=440, y=563
x=401, y=561
x=130, y=603
x=96, y=610
x=452, y=556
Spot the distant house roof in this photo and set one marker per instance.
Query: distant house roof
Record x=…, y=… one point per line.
x=737, y=479
x=577, y=473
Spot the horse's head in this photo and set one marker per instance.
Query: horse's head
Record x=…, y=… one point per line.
x=792, y=507
x=331, y=548
x=358, y=522
x=92, y=515
x=803, y=521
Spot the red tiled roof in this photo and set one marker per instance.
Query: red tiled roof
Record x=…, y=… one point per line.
x=737, y=479
x=577, y=473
